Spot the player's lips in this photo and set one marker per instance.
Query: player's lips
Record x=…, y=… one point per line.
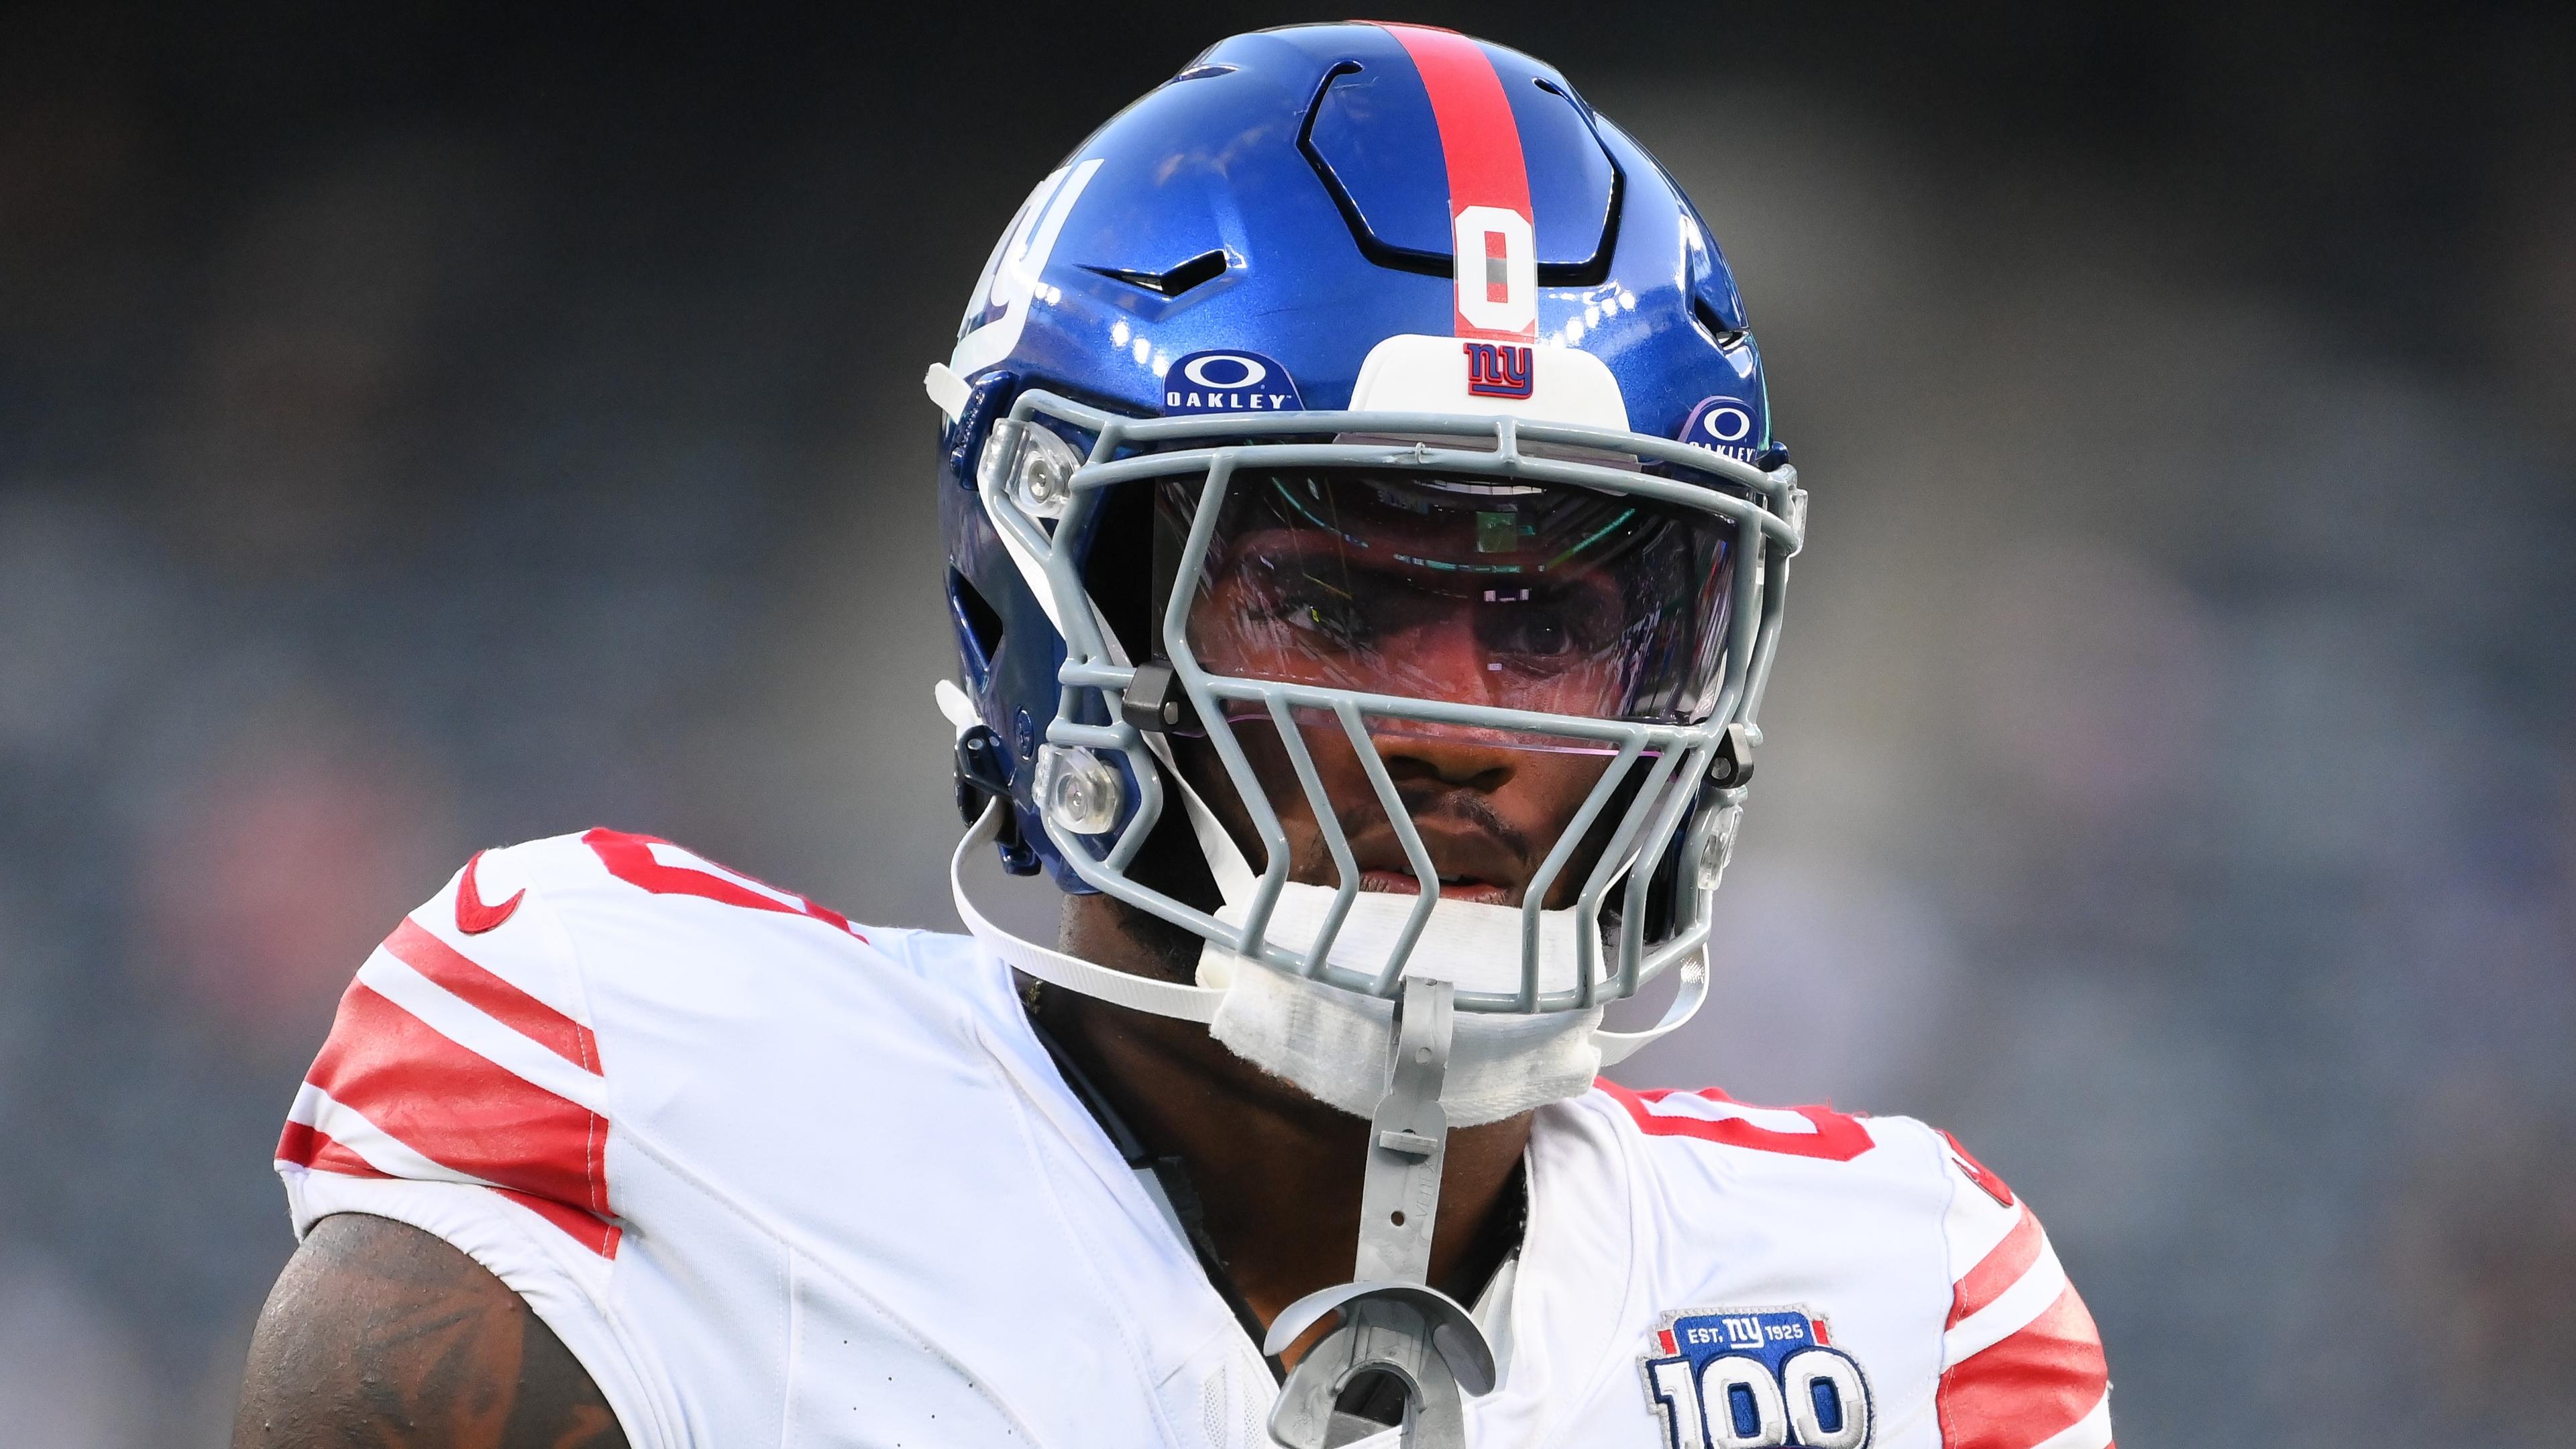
x=1461, y=888
x=1472, y=864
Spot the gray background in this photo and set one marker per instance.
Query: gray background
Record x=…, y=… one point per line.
x=428, y=429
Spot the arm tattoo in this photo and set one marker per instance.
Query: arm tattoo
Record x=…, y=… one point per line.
x=381, y=1336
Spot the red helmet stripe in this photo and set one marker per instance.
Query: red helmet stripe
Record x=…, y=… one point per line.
x=1480, y=144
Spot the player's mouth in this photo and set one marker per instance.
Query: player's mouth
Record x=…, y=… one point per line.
x=1452, y=888
x=1472, y=862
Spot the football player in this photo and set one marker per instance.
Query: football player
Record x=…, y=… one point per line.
x=1366, y=550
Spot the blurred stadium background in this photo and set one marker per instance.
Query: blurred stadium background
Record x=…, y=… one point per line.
x=422, y=429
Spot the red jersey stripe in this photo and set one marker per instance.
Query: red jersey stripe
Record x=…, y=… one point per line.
x=595, y=1233
x=458, y=1108
x=2001, y=1268
x=307, y=1146
x=494, y=997
x=2039, y=1382
x=1480, y=142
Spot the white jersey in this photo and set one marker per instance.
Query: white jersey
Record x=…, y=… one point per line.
x=775, y=1179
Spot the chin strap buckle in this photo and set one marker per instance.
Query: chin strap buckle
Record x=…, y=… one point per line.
x=984, y=777
x=1394, y=1324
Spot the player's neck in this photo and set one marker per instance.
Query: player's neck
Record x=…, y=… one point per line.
x=1277, y=1172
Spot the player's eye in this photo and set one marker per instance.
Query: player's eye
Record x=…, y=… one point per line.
x=1329, y=616
x=1548, y=625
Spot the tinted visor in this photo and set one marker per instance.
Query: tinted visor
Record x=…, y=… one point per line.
x=1468, y=590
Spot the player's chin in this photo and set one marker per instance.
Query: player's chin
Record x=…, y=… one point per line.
x=1464, y=888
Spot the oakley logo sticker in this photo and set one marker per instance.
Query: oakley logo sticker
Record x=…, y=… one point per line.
x=1498, y=369
x=1229, y=382
x=1725, y=425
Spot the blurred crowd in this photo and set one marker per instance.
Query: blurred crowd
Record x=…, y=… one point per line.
x=2169, y=788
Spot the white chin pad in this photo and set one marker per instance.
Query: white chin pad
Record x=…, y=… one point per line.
x=1333, y=1044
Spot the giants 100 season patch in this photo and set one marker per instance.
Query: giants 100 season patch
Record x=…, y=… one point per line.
x=1753, y=1378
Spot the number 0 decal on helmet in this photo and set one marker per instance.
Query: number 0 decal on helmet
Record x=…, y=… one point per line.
x=1497, y=272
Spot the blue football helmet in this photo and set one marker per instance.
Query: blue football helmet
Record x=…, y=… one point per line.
x=1360, y=395
x=1336, y=278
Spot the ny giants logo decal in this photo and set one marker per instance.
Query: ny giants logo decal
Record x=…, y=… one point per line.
x=1755, y=1378
x=1498, y=369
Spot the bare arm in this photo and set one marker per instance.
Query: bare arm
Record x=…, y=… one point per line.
x=381, y=1336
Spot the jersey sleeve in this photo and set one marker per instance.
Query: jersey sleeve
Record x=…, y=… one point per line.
x=2021, y=1363
x=461, y=1091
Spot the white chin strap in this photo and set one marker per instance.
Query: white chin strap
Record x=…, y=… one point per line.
x=1055, y=968
x=1334, y=1044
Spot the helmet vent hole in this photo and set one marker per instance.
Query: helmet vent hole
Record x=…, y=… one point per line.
x=976, y=618
x=1714, y=325
x=1205, y=267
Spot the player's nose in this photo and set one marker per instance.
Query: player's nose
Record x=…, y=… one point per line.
x=1435, y=761
x=1447, y=662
